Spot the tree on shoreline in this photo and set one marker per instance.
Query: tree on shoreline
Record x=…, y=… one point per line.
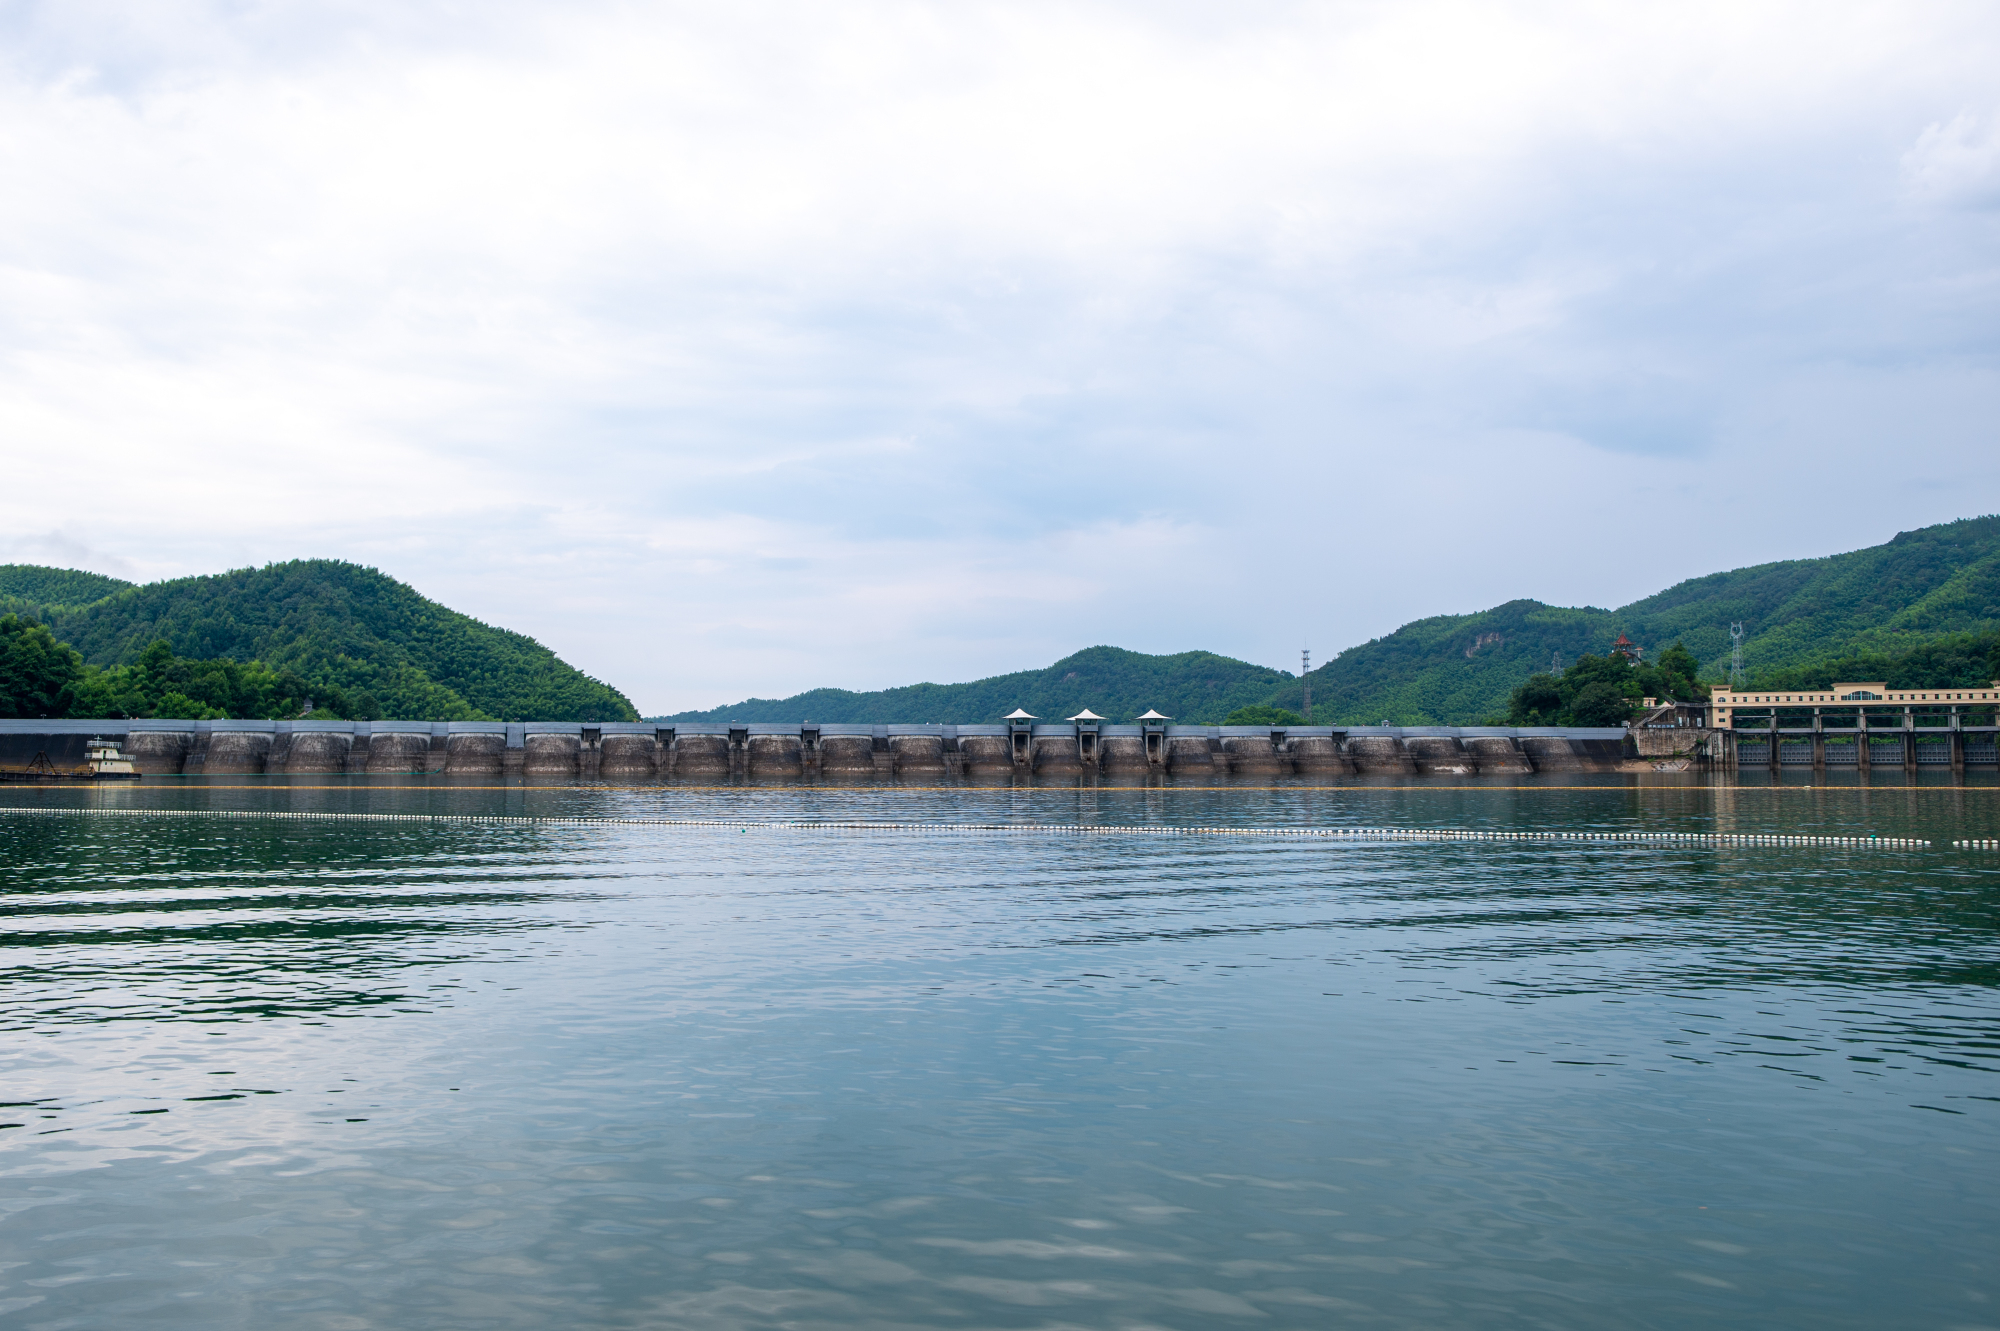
x=41, y=677
x=1604, y=690
x=36, y=671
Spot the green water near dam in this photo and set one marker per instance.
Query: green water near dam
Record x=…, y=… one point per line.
x=1597, y=1051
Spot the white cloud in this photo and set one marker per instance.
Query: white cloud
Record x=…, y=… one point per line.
x=1957, y=161
x=691, y=339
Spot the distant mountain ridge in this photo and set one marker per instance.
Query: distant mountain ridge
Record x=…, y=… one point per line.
x=369, y=635
x=330, y=622
x=1108, y=680
x=1921, y=586
x=1457, y=669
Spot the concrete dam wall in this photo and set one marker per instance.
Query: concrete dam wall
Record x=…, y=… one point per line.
x=628, y=751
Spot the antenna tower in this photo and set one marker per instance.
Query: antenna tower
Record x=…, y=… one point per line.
x=1305, y=673
x=1735, y=656
x=1556, y=664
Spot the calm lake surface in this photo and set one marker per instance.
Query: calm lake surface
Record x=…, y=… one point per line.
x=413, y=1074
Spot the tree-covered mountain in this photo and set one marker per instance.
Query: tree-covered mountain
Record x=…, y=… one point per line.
x=45, y=593
x=347, y=631
x=1798, y=615
x=1886, y=598
x=1189, y=686
x=1450, y=669
x=1869, y=611
x=1954, y=661
x=1920, y=609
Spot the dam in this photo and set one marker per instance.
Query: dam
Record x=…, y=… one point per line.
x=640, y=751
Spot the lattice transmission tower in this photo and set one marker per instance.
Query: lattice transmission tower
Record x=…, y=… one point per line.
x=1305, y=673
x=1735, y=656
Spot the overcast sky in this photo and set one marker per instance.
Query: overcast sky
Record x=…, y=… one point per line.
x=740, y=349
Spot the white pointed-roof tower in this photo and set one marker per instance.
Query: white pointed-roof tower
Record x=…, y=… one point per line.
x=1153, y=715
x=1085, y=715
x=1019, y=715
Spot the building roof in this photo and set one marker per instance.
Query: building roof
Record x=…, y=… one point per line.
x=1085, y=715
x=1152, y=715
x=1019, y=715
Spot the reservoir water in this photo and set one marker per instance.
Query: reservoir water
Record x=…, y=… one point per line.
x=478, y=1072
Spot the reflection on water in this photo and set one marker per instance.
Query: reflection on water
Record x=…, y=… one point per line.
x=192, y=921
x=457, y=1074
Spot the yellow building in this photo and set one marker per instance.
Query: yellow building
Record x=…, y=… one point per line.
x=1723, y=701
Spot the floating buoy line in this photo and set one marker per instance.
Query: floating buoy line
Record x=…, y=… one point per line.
x=1691, y=839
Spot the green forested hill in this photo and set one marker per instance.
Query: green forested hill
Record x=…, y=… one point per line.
x=1796, y=614
x=1924, y=604
x=1190, y=686
x=1923, y=583
x=1449, y=669
x=47, y=592
x=1801, y=617
x=338, y=624
x=1955, y=660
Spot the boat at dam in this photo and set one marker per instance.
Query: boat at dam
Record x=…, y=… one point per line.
x=102, y=761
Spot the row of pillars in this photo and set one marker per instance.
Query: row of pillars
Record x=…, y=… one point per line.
x=811, y=752
x=1021, y=743
x=1864, y=742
